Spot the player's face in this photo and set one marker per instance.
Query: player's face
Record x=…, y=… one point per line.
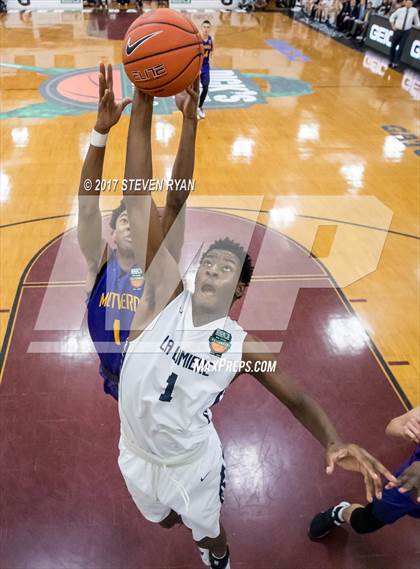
x=217, y=281
x=122, y=235
x=205, y=28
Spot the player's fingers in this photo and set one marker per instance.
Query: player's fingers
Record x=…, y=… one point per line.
x=367, y=466
x=368, y=485
x=102, y=86
x=110, y=78
x=406, y=487
x=414, y=427
x=377, y=483
x=125, y=102
x=381, y=469
x=329, y=466
x=410, y=433
x=105, y=98
x=333, y=458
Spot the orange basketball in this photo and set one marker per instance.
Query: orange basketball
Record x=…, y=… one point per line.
x=162, y=52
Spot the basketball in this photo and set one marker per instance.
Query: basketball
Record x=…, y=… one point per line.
x=162, y=52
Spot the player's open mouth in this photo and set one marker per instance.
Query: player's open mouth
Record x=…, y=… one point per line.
x=208, y=289
x=128, y=239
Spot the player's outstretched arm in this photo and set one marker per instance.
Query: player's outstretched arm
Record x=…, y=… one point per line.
x=406, y=426
x=162, y=278
x=316, y=421
x=173, y=220
x=89, y=226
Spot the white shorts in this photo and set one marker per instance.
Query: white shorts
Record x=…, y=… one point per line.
x=194, y=491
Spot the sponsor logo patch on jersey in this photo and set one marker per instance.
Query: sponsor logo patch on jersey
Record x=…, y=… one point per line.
x=136, y=277
x=220, y=342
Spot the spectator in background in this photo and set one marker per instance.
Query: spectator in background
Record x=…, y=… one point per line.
x=316, y=9
x=351, y=24
x=345, y=10
x=361, y=25
x=351, y=16
x=325, y=7
x=396, y=4
x=385, y=8
x=332, y=12
x=402, y=20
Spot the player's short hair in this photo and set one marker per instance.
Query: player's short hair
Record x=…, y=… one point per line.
x=244, y=258
x=116, y=214
x=206, y=22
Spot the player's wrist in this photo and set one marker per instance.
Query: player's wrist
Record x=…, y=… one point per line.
x=98, y=139
x=101, y=128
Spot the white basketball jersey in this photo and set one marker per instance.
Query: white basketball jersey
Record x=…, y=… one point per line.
x=172, y=374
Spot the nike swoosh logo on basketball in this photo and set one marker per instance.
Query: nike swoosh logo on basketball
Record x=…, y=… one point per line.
x=205, y=476
x=131, y=47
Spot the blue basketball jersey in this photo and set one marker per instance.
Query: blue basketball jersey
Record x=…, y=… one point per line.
x=110, y=310
x=395, y=505
x=208, y=47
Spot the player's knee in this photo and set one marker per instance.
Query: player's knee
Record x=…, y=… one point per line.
x=363, y=521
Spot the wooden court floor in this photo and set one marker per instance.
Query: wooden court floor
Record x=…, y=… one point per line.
x=302, y=136
x=335, y=180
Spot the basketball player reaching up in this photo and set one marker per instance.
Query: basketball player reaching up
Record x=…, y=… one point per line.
x=183, y=352
x=115, y=282
x=395, y=502
x=208, y=45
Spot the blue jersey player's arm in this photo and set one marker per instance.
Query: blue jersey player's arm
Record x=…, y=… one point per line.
x=89, y=226
x=182, y=172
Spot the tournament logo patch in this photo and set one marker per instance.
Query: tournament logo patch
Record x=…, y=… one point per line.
x=136, y=277
x=220, y=342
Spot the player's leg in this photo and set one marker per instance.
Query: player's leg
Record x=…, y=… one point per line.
x=140, y=479
x=214, y=551
x=205, y=484
x=362, y=519
x=171, y=520
x=205, y=82
x=366, y=519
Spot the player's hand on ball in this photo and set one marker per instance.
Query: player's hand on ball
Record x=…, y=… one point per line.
x=355, y=458
x=408, y=480
x=109, y=112
x=187, y=100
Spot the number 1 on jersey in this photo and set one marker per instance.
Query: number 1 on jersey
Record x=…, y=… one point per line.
x=167, y=394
